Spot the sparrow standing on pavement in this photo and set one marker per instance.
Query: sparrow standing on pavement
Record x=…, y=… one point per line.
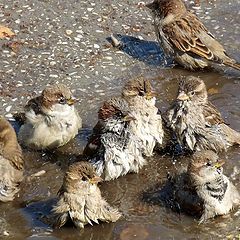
x=148, y=122
x=219, y=195
x=51, y=119
x=196, y=122
x=11, y=162
x=183, y=36
x=113, y=148
x=80, y=199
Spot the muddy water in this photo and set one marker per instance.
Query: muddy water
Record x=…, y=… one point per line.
x=84, y=60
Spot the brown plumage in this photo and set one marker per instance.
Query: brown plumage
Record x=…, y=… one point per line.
x=138, y=87
x=114, y=147
x=11, y=162
x=80, y=199
x=50, y=120
x=203, y=190
x=196, y=122
x=183, y=36
x=148, y=124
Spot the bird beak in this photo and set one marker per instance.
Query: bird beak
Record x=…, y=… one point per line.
x=95, y=180
x=71, y=101
x=182, y=96
x=219, y=164
x=150, y=95
x=128, y=118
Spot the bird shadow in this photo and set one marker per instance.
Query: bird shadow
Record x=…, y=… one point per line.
x=148, y=52
x=176, y=195
x=39, y=212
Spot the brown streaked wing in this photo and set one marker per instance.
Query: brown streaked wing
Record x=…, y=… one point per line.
x=94, y=142
x=34, y=104
x=183, y=34
x=212, y=115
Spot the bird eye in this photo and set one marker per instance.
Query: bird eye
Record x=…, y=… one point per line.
x=192, y=93
x=62, y=100
x=84, y=178
x=119, y=114
x=209, y=164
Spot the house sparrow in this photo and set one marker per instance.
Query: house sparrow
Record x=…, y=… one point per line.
x=51, y=119
x=196, y=122
x=219, y=195
x=113, y=148
x=11, y=162
x=80, y=199
x=202, y=190
x=148, y=122
x=183, y=36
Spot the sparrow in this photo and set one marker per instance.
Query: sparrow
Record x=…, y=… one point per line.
x=195, y=121
x=11, y=162
x=202, y=190
x=185, y=38
x=51, y=119
x=147, y=126
x=113, y=148
x=219, y=195
x=80, y=200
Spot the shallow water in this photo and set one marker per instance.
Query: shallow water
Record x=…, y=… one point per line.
x=86, y=62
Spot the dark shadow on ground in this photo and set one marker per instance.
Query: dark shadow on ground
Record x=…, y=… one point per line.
x=148, y=52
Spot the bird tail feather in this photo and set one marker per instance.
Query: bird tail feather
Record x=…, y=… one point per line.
x=233, y=65
x=233, y=137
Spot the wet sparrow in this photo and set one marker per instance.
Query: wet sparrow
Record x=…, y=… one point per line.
x=183, y=36
x=219, y=195
x=80, y=199
x=51, y=119
x=203, y=190
x=113, y=148
x=196, y=122
x=11, y=162
x=148, y=122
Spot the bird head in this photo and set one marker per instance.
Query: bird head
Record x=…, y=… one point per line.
x=115, y=108
x=193, y=90
x=81, y=172
x=165, y=8
x=57, y=97
x=205, y=166
x=138, y=87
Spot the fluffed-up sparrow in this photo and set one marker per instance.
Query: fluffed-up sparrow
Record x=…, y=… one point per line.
x=114, y=149
x=51, y=119
x=196, y=122
x=147, y=126
x=80, y=200
x=11, y=162
x=203, y=190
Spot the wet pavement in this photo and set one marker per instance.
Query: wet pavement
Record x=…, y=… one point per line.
x=68, y=41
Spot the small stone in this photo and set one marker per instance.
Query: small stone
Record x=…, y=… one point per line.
x=77, y=39
x=69, y=32
x=52, y=63
x=96, y=46
x=8, y=108
x=5, y=233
